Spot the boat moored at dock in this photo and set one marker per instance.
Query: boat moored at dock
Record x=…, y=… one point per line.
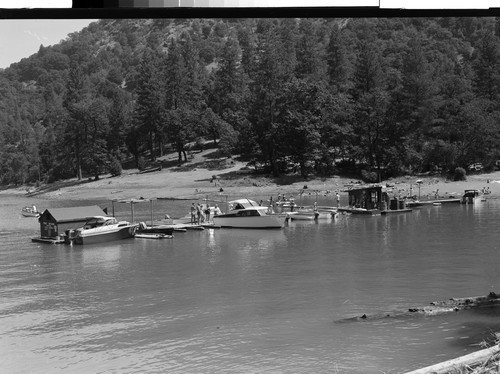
x=246, y=213
x=101, y=229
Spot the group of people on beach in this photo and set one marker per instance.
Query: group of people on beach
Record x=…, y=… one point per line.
x=201, y=213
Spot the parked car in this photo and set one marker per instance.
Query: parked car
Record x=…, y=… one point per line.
x=475, y=167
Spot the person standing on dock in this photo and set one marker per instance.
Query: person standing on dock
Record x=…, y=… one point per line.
x=198, y=214
x=338, y=199
x=207, y=213
x=193, y=214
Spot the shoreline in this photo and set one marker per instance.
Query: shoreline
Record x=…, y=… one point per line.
x=168, y=184
x=203, y=176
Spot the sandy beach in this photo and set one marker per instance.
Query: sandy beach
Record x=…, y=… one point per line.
x=199, y=178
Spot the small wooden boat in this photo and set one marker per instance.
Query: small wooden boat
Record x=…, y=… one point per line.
x=30, y=211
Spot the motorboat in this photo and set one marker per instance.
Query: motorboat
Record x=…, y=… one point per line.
x=246, y=213
x=100, y=229
x=30, y=211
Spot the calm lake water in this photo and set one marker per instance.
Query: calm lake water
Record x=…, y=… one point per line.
x=247, y=301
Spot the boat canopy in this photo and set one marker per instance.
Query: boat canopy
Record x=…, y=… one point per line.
x=471, y=193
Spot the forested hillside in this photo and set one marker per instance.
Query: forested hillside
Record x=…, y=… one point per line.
x=380, y=96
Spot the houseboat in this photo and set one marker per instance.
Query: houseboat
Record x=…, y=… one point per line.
x=373, y=200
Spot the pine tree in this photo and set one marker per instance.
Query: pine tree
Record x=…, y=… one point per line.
x=77, y=90
x=338, y=64
x=150, y=99
x=487, y=67
x=266, y=88
x=310, y=58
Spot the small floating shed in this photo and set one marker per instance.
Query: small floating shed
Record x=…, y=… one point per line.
x=365, y=200
x=373, y=200
x=55, y=221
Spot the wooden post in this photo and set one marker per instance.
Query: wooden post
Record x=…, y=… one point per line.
x=151, y=207
x=132, y=209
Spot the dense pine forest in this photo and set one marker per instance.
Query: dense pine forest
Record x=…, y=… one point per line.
x=379, y=97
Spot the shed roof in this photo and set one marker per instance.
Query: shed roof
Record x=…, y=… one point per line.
x=365, y=188
x=77, y=213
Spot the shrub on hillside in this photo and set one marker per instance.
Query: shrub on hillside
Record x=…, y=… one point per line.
x=141, y=163
x=369, y=176
x=115, y=167
x=459, y=174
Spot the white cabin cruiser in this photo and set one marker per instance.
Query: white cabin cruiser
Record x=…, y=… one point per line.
x=99, y=229
x=30, y=211
x=245, y=213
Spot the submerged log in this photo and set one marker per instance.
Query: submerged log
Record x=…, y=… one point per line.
x=436, y=307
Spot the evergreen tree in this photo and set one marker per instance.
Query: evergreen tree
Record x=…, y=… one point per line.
x=310, y=53
x=298, y=122
x=179, y=116
x=148, y=111
x=266, y=88
x=487, y=67
x=338, y=64
x=76, y=90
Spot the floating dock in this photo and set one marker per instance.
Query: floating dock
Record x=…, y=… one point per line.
x=432, y=202
x=370, y=212
x=153, y=236
x=396, y=211
x=48, y=240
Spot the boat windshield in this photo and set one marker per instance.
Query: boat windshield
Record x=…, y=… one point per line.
x=248, y=213
x=242, y=204
x=99, y=221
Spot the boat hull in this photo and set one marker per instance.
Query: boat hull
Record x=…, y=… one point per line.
x=299, y=216
x=27, y=214
x=105, y=236
x=257, y=222
x=29, y=211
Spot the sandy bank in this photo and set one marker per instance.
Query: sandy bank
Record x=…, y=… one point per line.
x=194, y=182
